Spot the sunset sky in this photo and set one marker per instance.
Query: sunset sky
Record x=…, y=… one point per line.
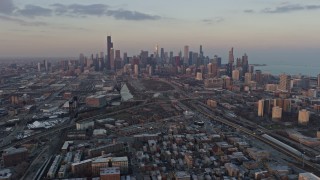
x=66, y=28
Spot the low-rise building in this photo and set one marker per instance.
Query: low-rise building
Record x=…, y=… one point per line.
x=82, y=168
x=14, y=156
x=84, y=125
x=96, y=101
x=110, y=173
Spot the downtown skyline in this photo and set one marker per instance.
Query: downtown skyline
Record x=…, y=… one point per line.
x=34, y=28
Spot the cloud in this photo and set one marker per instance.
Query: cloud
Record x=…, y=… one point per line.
x=6, y=7
x=131, y=15
x=22, y=22
x=284, y=9
x=249, y=11
x=80, y=10
x=32, y=11
x=287, y=7
x=313, y=7
x=213, y=20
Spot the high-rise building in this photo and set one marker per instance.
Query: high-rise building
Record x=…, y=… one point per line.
x=209, y=66
x=236, y=75
x=46, y=65
x=247, y=78
x=111, y=56
x=287, y=105
x=170, y=57
x=125, y=58
x=215, y=69
x=239, y=63
x=303, y=117
x=231, y=56
x=258, y=76
x=264, y=107
x=118, y=55
x=251, y=69
x=109, y=46
x=190, y=58
x=195, y=59
x=201, y=56
x=162, y=53
x=136, y=70
x=318, y=80
x=144, y=57
x=229, y=69
x=276, y=113
x=226, y=82
x=199, y=76
x=186, y=55
x=39, y=66
x=101, y=61
x=305, y=82
x=217, y=60
x=118, y=60
x=156, y=51
x=245, y=63
x=260, y=107
x=284, y=84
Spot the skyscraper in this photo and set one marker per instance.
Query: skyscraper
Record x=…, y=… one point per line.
x=125, y=58
x=118, y=55
x=101, y=61
x=209, y=66
x=259, y=79
x=229, y=69
x=247, y=78
x=111, y=60
x=156, y=51
x=245, y=63
x=231, y=56
x=318, y=80
x=170, y=57
x=162, y=54
x=195, y=59
x=109, y=46
x=217, y=60
x=186, y=55
x=144, y=58
x=201, y=59
x=284, y=84
x=190, y=58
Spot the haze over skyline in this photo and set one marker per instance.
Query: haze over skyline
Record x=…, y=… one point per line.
x=269, y=27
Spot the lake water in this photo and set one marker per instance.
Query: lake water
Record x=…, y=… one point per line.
x=304, y=67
